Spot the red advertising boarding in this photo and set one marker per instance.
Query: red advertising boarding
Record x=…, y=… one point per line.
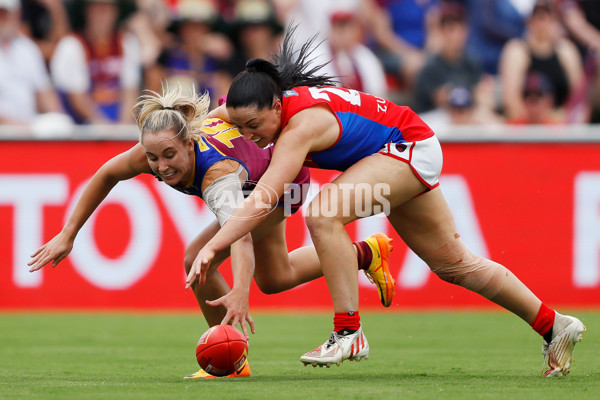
x=533, y=207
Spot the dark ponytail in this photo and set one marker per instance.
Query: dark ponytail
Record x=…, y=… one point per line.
x=262, y=81
x=296, y=68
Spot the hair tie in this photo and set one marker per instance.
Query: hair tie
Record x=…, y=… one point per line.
x=168, y=108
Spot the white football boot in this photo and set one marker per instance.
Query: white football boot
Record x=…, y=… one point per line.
x=558, y=354
x=337, y=348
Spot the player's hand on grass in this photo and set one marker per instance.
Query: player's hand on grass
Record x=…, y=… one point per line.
x=200, y=267
x=236, y=303
x=54, y=251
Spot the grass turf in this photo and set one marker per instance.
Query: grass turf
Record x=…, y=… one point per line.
x=413, y=355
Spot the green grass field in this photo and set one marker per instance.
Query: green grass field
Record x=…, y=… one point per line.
x=413, y=355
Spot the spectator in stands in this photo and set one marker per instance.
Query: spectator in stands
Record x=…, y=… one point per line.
x=25, y=88
x=46, y=22
x=538, y=101
x=191, y=58
x=582, y=21
x=404, y=33
x=149, y=25
x=313, y=19
x=542, y=49
x=255, y=32
x=97, y=70
x=398, y=31
x=460, y=106
x=460, y=109
x=492, y=23
x=450, y=66
x=354, y=64
x=464, y=109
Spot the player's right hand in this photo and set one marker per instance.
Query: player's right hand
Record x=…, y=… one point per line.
x=236, y=303
x=200, y=266
x=55, y=250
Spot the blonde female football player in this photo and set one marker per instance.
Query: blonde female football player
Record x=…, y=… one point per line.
x=375, y=143
x=211, y=159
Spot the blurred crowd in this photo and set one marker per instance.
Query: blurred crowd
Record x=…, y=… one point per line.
x=475, y=62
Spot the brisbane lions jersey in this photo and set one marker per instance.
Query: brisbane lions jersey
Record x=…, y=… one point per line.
x=219, y=141
x=366, y=123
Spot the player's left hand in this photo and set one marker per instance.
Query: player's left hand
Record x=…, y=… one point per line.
x=236, y=303
x=200, y=266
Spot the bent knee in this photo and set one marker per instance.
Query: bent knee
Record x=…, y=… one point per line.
x=268, y=286
x=314, y=222
x=190, y=256
x=188, y=260
x=323, y=225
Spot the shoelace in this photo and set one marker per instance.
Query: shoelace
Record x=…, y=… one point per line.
x=335, y=338
x=546, y=351
x=332, y=340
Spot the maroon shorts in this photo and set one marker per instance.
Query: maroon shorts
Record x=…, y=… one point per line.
x=295, y=194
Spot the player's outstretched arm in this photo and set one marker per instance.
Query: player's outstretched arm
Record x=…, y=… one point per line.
x=124, y=166
x=223, y=183
x=236, y=301
x=54, y=251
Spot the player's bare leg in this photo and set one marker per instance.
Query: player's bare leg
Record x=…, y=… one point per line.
x=279, y=270
x=426, y=224
x=334, y=247
x=215, y=285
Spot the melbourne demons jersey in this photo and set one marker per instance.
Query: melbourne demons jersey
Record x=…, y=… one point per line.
x=366, y=123
x=220, y=141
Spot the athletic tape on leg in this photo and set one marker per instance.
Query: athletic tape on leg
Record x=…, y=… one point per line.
x=454, y=263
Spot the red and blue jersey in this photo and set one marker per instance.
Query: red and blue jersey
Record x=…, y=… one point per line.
x=366, y=123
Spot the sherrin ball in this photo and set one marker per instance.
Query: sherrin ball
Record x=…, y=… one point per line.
x=222, y=350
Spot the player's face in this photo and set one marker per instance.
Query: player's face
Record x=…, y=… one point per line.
x=261, y=126
x=169, y=157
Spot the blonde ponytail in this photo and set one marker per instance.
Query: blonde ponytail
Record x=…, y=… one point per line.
x=171, y=111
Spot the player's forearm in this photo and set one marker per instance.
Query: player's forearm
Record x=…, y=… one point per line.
x=247, y=216
x=242, y=263
x=93, y=194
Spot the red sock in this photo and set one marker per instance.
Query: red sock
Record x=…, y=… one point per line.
x=346, y=320
x=544, y=321
x=364, y=254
